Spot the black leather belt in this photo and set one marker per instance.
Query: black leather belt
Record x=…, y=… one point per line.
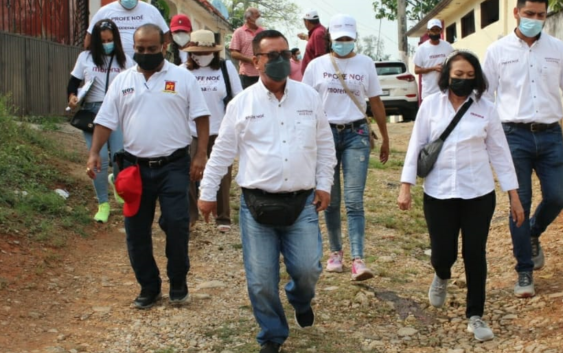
x=157, y=162
x=351, y=125
x=279, y=194
x=533, y=127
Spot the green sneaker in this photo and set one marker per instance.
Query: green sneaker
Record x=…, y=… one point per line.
x=103, y=213
x=117, y=197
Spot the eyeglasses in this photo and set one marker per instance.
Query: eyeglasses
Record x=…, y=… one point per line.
x=106, y=25
x=274, y=55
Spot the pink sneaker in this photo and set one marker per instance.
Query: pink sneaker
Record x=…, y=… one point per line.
x=360, y=272
x=334, y=263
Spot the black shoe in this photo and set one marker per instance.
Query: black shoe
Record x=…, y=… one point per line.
x=306, y=319
x=270, y=347
x=537, y=253
x=146, y=299
x=178, y=293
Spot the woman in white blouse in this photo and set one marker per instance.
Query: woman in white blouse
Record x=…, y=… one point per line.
x=459, y=192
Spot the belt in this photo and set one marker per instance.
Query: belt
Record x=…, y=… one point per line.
x=533, y=127
x=351, y=125
x=278, y=194
x=157, y=162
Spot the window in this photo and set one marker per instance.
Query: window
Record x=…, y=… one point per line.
x=451, y=33
x=392, y=68
x=468, y=24
x=489, y=12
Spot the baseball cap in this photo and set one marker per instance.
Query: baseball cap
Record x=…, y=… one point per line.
x=434, y=23
x=130, y=187
x=311, y=15
x=180, y=22
x=342, y=26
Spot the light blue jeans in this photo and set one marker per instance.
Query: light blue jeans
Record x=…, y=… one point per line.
x=352, y=154
x=114, y=144
x=301, y=247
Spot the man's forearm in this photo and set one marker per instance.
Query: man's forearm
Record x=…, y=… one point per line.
x=101, y=136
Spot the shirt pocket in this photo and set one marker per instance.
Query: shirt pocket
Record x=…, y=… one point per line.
x=307, y=133
x=551, y=71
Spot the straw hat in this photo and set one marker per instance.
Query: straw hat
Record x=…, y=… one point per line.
x=201, y=41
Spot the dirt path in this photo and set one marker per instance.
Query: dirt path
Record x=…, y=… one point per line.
x=78, y=299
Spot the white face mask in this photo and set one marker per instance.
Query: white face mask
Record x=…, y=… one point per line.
x=259, y=22
x=203, y=60
x=181, y=38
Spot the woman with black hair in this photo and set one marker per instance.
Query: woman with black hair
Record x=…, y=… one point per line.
x=459, y=192
x=104, y=53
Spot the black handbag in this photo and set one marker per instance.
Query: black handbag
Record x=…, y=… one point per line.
x=279, y=210
x=227, y=80
x=84, y=119
x=429, y=154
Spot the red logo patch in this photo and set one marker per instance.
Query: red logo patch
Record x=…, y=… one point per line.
x=169, y=86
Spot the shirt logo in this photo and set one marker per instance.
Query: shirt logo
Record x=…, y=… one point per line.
x=169, y=86
x=128, y=91
x=477, y=115
x=252, y=117
x=510, y=62
x=552, y=60
x=437, y=56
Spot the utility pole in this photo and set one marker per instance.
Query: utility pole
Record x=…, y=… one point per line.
x=402, y=34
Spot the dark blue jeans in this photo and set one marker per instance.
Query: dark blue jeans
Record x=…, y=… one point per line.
x=541, y=152
x=168, y=185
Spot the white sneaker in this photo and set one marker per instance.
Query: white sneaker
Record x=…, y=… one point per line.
x=479, y=328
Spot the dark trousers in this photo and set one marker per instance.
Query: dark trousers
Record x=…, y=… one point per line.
x=445, y=218
x=248, y=80
x=168, y=185
x=223, y=199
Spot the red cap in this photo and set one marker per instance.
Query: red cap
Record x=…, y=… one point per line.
x=180, y=22
x=130, y=187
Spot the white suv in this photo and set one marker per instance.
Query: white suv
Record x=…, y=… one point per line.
x=400, y=91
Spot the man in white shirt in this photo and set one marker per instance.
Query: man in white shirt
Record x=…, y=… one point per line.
x=128, y=15
x=429, y=58
x=525, y=69
x=153, y=103
x=282, y=137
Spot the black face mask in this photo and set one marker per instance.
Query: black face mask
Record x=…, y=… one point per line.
x=462, y=87
x=278, y=70
x=434, y=37
x=148, y=62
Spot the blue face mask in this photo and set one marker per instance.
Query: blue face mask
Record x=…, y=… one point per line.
x=529, y=27
x=108, y=47
x=299, y=57
x=342, y=48
x=129, y=4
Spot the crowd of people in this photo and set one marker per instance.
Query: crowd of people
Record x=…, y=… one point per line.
x=296, y=123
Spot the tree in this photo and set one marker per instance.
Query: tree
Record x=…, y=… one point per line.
x=371, y=46
x=556, y=5
x=283, y=13
x=416, y=9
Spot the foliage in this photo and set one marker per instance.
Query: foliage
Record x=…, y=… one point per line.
x=373, y=47
x=556, y=5
x=284, y=13
x=416, y=9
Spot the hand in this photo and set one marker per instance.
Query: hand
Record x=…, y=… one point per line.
x=438, y=68
x=516, y=209
x=384, y=152
x=404, y=200
x=321, y=200
x=207, y=207
x=197, y=166
x=73, y=101
x=94, y=165
x=303, y=36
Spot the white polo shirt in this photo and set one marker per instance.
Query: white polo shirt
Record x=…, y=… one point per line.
x=360, y=77
x=85, y=70
x=429, y=55
x=462, y=169
x=527, y=80
x=129, y=20
x=283, y=146
x=213, y=87
x=154, y=115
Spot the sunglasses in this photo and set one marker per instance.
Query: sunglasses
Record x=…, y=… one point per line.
x=106, y=25
x=274, y=55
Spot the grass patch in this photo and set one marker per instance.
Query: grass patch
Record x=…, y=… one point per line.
x=33, y=166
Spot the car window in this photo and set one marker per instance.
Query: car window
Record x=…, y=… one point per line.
x=386, y=69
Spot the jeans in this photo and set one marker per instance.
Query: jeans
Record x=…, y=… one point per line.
x=542, y=152
x=114, y=144
x=352, y=154
x=445, y=218
x=168, y=184
x=301, y=247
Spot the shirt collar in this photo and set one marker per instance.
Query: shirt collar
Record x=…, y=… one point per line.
x=246, y=28
x=318, y=25
x=517, y=39
x=270, y=95
x=165, y=68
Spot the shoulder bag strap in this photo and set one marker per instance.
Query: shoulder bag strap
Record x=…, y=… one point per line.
x=109, y=70
x=456, y=119
x=226, y=78
x=349, y=93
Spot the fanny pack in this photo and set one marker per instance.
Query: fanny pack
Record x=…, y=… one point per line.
x=280, y=209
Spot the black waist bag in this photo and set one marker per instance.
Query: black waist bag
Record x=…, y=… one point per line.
x=279, y=210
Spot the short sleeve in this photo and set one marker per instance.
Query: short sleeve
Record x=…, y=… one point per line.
x=196, y=101
x=159, y=20
x=108, y=115
x=374, y=87
x=79, y=67
x=97, y=16
x=236, y=41
x=236, y=85
x=418, y=57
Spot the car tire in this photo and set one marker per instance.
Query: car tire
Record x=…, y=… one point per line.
x=409, y=114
